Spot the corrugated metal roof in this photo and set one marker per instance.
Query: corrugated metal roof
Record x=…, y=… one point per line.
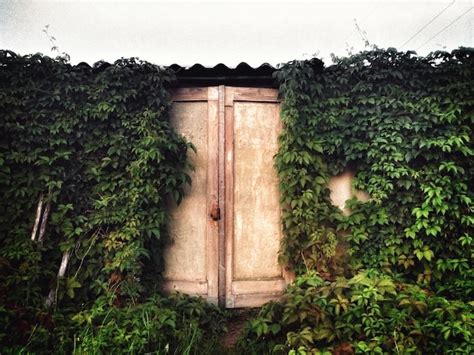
x=198, y=75
x=242, y=74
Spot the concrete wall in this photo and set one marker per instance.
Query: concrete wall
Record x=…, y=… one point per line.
x=342, y=190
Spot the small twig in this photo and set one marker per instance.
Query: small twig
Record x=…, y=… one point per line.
x=37, y=219
x=87, y=252
x=30, y=338
x=304, y=262
x=54, y=45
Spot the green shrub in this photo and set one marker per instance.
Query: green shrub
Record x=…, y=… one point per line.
x=176, y=324
x=368, y=313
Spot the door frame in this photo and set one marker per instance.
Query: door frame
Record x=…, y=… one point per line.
x=221, y=286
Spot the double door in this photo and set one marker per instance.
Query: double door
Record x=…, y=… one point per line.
x=226, y=233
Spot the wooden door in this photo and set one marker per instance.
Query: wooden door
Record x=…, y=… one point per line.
x=252, y=217
x=191, y=260
x=238, y=262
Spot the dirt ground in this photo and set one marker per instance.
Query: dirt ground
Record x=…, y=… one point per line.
x=235, y=325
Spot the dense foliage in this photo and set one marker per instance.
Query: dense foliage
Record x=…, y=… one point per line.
x=89, y=162
x=91, y=150
x=403, y=124
x=175, y=324
x=369, y=313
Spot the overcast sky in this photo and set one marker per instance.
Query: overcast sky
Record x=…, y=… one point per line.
x=231, y=32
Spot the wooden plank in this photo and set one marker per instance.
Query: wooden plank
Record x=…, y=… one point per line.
x=222, y=203
x=213, y=195
x=256, y=94
x=226, y=150
x=189, y=287
x=190, y=94
x=250, y=301
x=253, y=278
x=229, y=202
x=258, y=286
x=229, y=96
x=185, y=257
x=213, y=93
x=257, y=217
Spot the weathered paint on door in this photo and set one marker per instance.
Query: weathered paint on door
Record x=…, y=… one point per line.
x=235, y=259
x=253, y=227
x=191, y=260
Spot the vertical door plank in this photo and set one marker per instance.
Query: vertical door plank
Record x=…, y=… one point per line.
x=222, y=205
x=229, y=197
x=213, y=194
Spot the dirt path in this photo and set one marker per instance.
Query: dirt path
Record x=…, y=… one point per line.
x=235, y=325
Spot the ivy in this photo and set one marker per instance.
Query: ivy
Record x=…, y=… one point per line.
x=403, y=123
x=368, y=313
x=395, y=275
x=91, y=149
x=89, y=162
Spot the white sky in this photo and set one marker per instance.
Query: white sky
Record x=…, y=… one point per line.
x=230, y=32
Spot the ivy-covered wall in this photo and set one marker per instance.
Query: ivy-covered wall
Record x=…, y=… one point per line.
x=404, y=124
x=87, y=159
x=96, y=145
x=396, y=275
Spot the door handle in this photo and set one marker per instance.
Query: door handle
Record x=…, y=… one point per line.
x=215, y=212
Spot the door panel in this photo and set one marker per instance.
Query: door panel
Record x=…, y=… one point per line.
x=252, y=224
x=191, y=259
x=256, y=217
x=188, y=223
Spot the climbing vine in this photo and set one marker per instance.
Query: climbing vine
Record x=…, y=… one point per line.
x=94, y=145
x=89, y=162
x=403, y=125
x=88, y=165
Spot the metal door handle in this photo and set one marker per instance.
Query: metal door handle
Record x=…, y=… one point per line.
x=215, y=213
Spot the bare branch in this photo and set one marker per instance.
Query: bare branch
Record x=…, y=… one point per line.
x=44, y=220
x=37, y=219
x=52, y=298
